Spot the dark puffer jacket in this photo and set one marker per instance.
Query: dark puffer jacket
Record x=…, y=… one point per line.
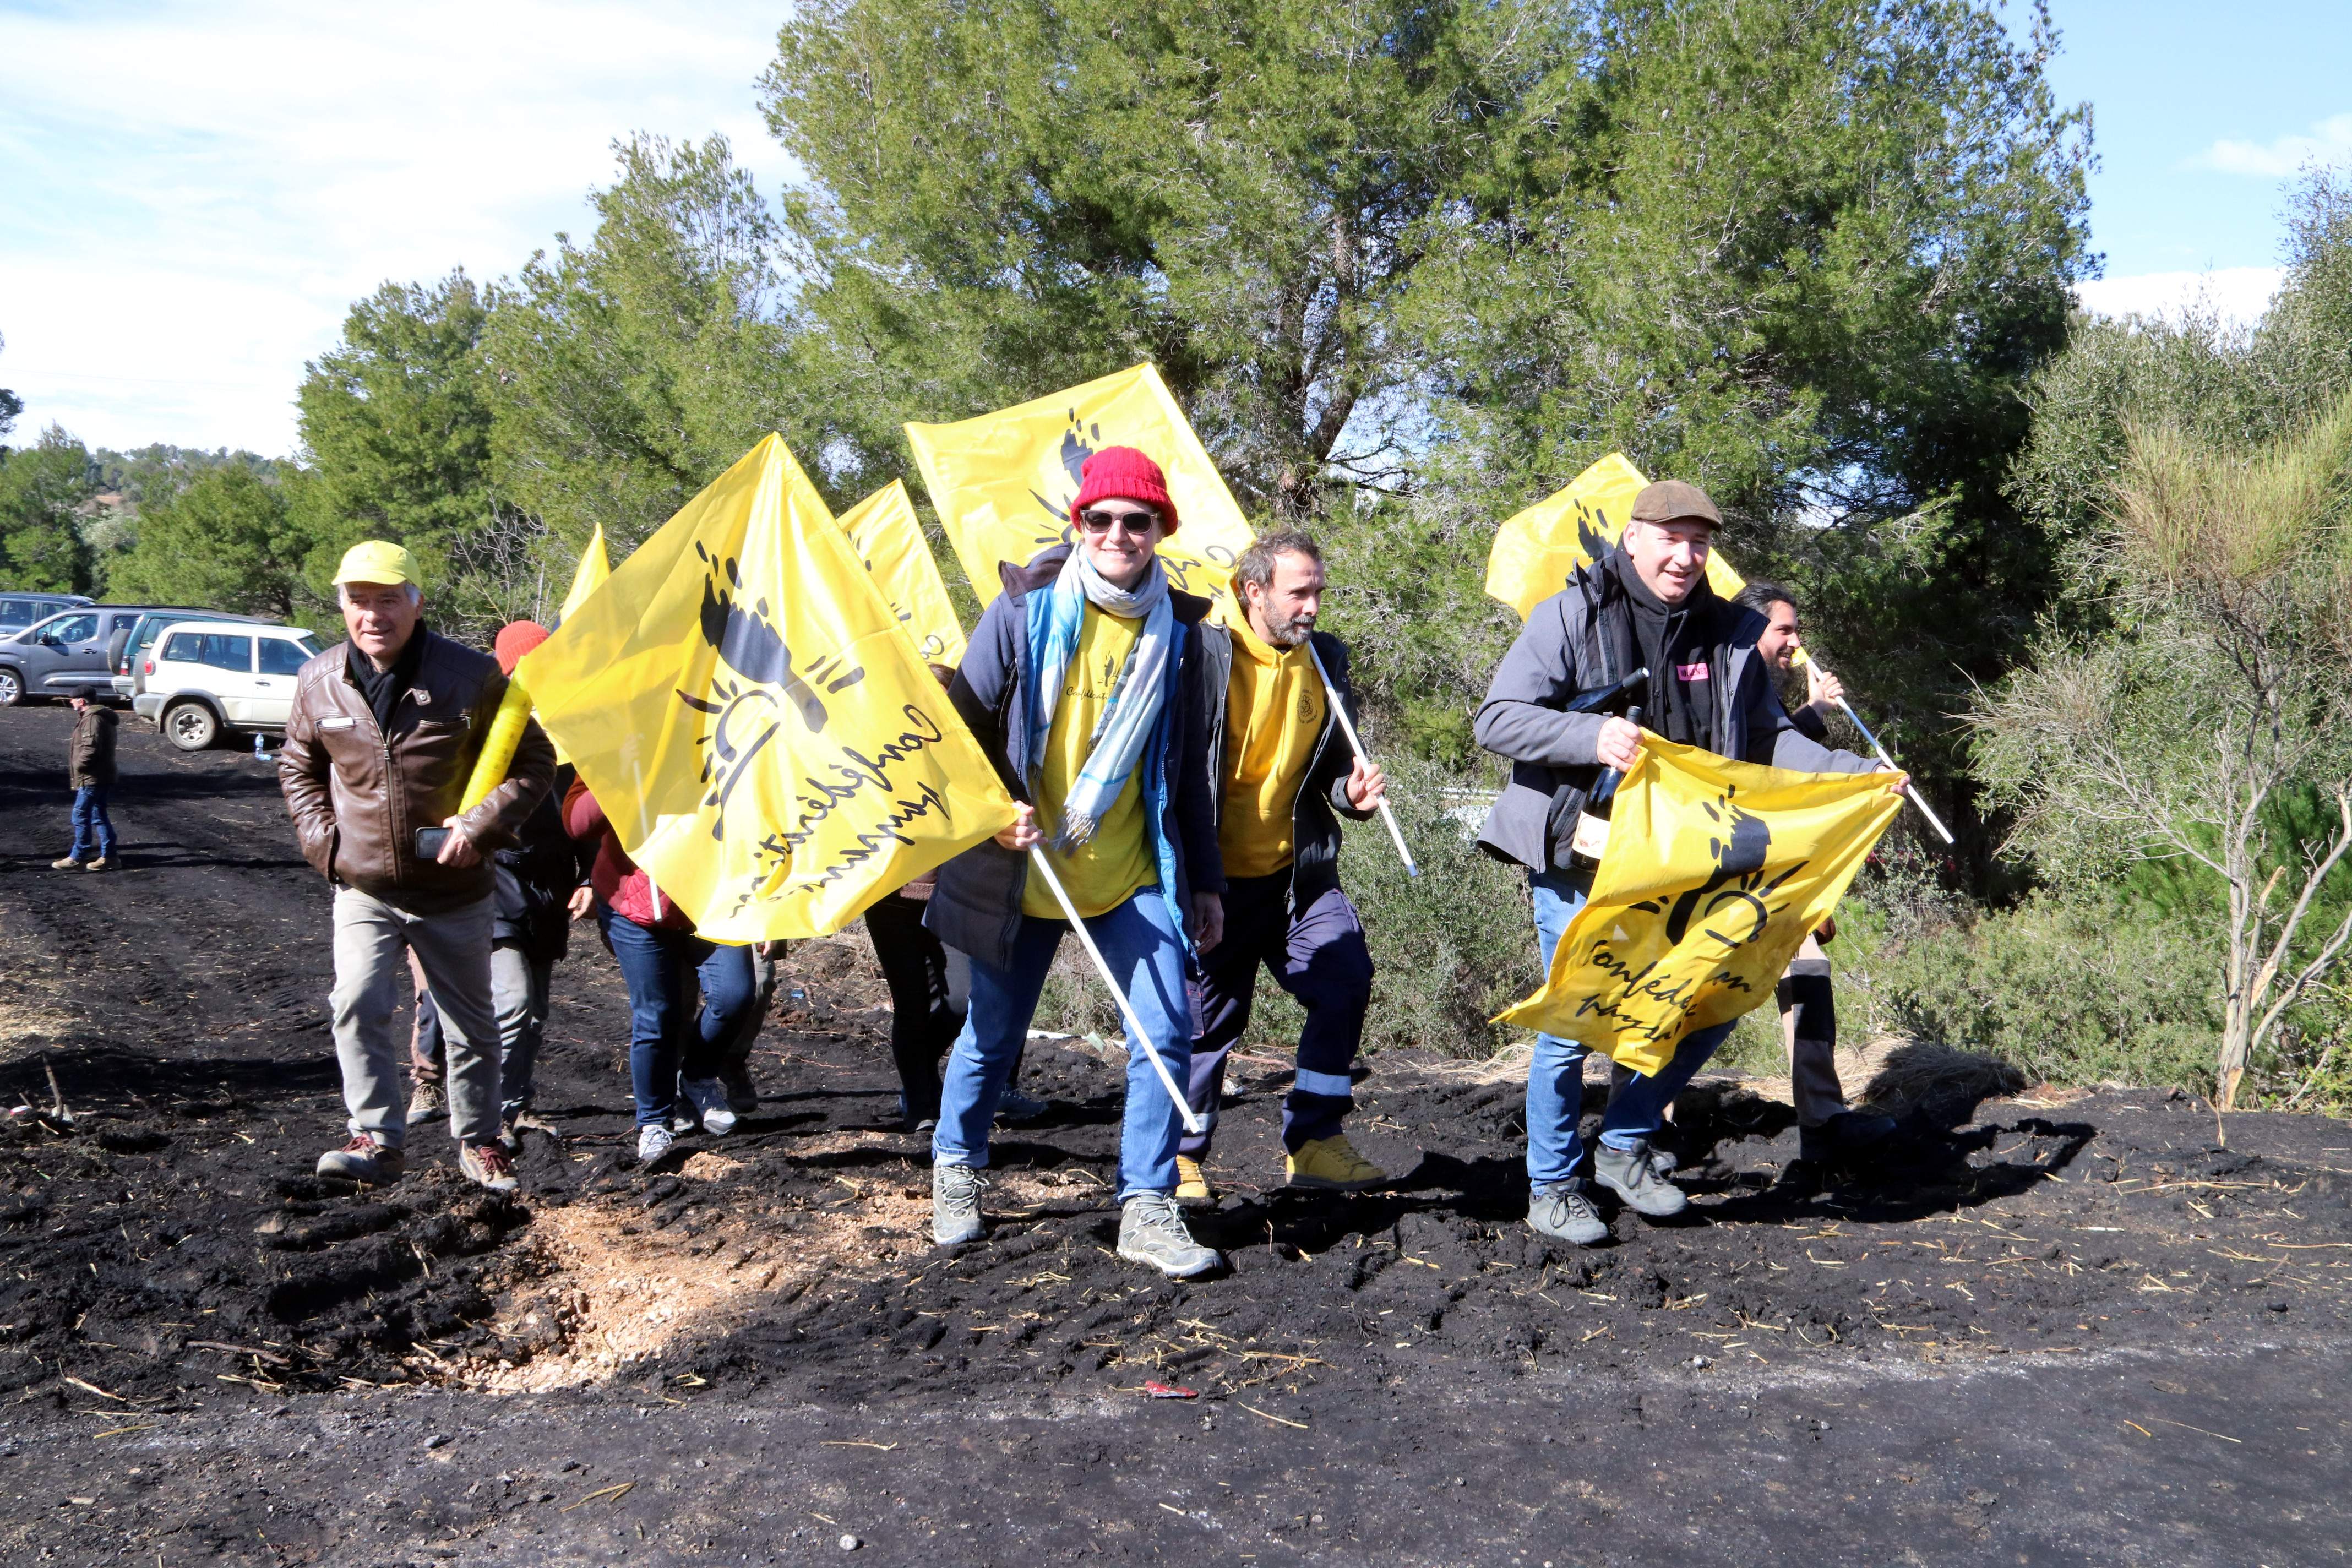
x=976, y=907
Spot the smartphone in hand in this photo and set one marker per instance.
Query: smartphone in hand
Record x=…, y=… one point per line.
x=430, y=841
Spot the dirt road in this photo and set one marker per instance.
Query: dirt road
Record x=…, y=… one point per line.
x=2068, y=1329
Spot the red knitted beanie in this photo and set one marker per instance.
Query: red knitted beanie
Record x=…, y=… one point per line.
x=1123, y=473
x=515, y=639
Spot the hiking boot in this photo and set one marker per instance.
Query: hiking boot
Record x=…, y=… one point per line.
x=103, y=863
x=955, y=1205
x=1151, y=1231
x=489, y=1164
x=654, y=1141
x=743, y=1094
x=430, y=1101
x=363, y=1160
x=1014, y=1108
x=1192, y=1189
x=1846, y=1134
x=68, y=864
x=708, y=1098
x=1332, y=1165
x=1629, y=1174
x=1564, y=1210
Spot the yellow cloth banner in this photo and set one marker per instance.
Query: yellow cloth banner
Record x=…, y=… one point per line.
x=1003, y=482
x=1714, y=873
x=1536, y=552
x=884, y=531
x=753, y=720
x=586, y=578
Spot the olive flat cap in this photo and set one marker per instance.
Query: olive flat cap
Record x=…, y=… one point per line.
x=1671, y=500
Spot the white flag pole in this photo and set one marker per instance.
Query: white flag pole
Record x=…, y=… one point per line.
x=1135, y=1029
x=1910, y=789
x=1340, y=711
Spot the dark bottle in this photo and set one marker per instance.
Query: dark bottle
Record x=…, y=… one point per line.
x=1591, y=836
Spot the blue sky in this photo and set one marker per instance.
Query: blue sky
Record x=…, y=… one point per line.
x=190, y=195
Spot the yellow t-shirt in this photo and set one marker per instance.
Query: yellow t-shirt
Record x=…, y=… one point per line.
x=1104, y=872
x=1273, y=714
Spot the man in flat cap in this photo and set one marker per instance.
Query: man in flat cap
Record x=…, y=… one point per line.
x=1645, y=604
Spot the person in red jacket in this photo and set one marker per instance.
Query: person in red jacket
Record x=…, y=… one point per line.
x=661, y=958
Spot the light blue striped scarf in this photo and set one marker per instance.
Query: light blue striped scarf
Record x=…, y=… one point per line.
x=1057, y=615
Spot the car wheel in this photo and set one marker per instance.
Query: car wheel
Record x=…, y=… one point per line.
x=11, y=689
x=191, y=726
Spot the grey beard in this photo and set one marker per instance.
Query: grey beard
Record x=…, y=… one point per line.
x=1287, y=633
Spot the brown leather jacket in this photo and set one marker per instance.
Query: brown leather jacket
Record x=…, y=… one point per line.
x=358, y=795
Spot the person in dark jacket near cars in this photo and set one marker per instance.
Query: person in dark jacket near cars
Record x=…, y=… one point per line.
x=382, y=739
x=673, y=1045
x=532, y=929
x=1647, y=605
x=1084, y=684
x=1280, y=769
x=90, y=768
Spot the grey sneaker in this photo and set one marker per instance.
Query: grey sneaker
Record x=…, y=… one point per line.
x=708, y=1098
x=1014, y=1108
x=653, y=1143
x=1564, y=1210
x=363, y=1160
x=1151, y=1231
x=955, y=1205
x=430, y=1102
x=1629, y=1174
x=489, y=1164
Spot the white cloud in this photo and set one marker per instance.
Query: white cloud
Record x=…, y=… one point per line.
x=2330, y=141
x=195, y=193
x=2237, y=294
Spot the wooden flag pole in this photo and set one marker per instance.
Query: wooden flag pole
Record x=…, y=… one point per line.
x=1135, y=1029
x=1347, y=728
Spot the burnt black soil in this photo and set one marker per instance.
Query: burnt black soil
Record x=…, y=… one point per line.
x=2060, y=1328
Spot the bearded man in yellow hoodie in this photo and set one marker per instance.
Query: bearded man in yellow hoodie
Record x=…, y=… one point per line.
x=1280, y=769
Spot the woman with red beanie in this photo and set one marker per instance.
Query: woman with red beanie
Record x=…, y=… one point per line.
x=1084, y=684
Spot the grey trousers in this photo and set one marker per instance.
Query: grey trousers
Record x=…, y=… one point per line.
x=518, y=990
x=1809, y=1026
x=371, y=938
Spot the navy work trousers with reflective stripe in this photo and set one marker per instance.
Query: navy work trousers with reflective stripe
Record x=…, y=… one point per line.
x=1318, y=954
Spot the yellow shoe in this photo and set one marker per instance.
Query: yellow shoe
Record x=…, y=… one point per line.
x=1332, y=1164
x=1192, y=1189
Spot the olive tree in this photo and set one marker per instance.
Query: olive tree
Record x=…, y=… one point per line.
x=2222, y=695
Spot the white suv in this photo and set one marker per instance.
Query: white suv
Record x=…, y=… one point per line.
x=204, y=678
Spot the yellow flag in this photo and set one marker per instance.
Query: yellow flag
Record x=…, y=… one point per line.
x=1003, y=482
x=593, y=568
x=882, y=529
x=1714, y=873
x=755, y=724
x=586, y=578
x=1534, y=552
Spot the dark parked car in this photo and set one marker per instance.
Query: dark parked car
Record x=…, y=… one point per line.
x=18, y=611
x=128, y=651
x=54, y=656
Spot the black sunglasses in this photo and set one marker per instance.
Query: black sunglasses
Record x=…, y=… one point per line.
x=1096, y=520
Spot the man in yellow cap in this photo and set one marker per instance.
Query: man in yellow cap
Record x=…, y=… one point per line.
x=379, y=748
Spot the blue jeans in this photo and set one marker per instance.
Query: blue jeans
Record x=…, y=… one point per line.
x=666, y=1040
x=93, y=829
x=1556, y=1071
x=1140, y=943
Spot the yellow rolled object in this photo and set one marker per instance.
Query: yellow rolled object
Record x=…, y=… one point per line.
x=497, y=746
